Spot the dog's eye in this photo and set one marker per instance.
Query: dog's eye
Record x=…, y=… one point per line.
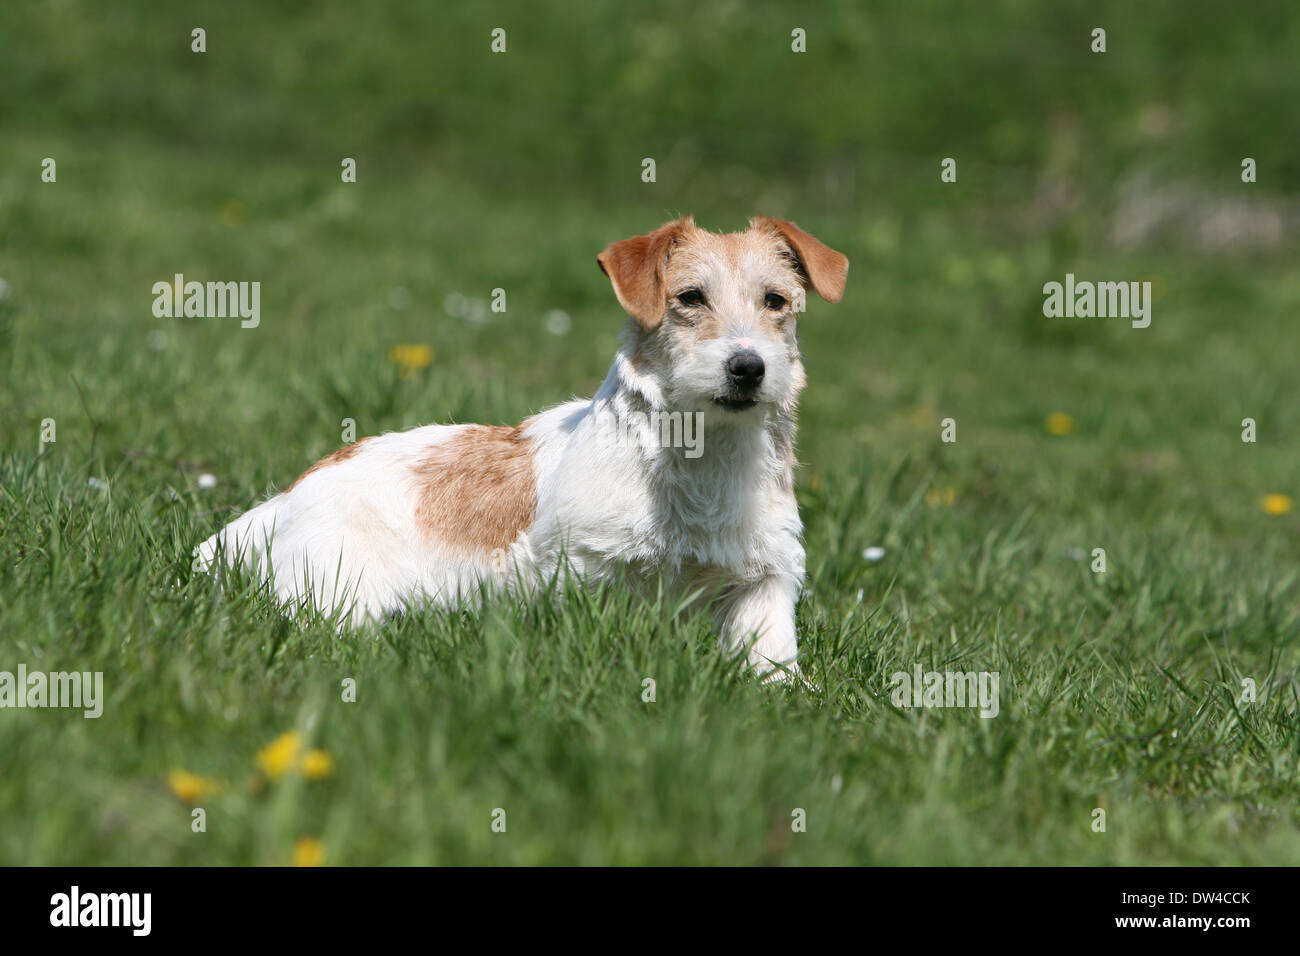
x=691, y=298
x=774, y=301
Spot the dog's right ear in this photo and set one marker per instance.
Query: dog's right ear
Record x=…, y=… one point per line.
x=636, y=270
x=827, y=269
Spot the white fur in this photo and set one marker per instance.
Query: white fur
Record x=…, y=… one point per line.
x=345, y=539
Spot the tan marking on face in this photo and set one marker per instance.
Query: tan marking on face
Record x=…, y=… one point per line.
x=735, y=271
x=826, y=269
x=333, y=458
x=477, y=490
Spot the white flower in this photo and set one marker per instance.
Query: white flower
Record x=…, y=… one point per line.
x=873, y=553
x=207, y=480
x=558, y=323
x=399, y=298
x=455, y=305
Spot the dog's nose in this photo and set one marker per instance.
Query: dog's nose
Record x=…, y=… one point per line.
x=745, y=369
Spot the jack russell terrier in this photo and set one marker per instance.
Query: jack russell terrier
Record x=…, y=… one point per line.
x=602, y=487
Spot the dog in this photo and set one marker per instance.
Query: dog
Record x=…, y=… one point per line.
x=601, y=487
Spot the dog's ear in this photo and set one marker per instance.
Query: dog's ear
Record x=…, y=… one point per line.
x=827, y=269
x=636, y=270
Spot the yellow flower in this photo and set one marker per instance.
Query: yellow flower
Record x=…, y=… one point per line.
x=1277, y=504
x=921, y=415
x=190, y=787
x=316, y=764
x=308, y=851
x=280, y=755
x=409, y=358
x=233, y=213
x=940, y=496
x=1059, y=423
x=284, y=755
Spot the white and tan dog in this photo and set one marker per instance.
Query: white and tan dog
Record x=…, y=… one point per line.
x=607, y=485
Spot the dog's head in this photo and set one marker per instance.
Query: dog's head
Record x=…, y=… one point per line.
x=715, y=314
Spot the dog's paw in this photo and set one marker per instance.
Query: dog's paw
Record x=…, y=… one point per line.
x=810, y=686
x=789, y=674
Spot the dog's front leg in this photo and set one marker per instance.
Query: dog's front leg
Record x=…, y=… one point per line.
x=758, y=618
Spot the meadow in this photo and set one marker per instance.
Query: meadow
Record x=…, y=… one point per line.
x=1120, y=691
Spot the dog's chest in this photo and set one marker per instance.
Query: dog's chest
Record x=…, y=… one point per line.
x=606, y=504
x=731, y=511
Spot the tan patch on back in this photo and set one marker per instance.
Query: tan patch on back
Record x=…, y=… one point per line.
x=343, y=454
x=477, y=491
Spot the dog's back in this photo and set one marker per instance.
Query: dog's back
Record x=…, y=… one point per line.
x=375, y=524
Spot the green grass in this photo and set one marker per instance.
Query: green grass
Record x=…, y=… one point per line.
x=1118, y=691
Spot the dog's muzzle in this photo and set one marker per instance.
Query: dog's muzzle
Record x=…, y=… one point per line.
x=745, y=376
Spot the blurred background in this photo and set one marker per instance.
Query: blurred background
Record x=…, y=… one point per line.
x=479, y=170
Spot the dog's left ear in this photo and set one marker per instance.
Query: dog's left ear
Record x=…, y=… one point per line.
x=636, y=269
x=827, y=269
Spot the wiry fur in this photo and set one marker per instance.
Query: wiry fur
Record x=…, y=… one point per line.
x=436, y=513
